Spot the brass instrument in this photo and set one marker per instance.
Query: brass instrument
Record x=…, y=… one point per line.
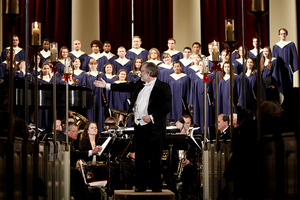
x=121, y=116
x=182, y=156
x=80, y=120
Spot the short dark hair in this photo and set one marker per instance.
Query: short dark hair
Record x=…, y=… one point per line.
x=106, y=42
x=177, y=62
x=45, y=40
x=97, y=42
x=152, y=68
x=187, y=116
x=197, y=43
x=226, y=118
x=286, y=31
x=188, y=48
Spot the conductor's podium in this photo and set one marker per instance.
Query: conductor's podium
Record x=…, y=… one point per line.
x=148, y=195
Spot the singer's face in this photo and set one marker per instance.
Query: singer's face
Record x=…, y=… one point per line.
x=108, y=69
x=138, y=63
x=65, y=53
x=76, y=63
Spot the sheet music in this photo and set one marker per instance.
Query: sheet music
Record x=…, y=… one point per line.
x=104, y=146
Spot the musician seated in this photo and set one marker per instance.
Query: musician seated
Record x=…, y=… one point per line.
x=223, y=126
x=110, y=122
x=188, y=165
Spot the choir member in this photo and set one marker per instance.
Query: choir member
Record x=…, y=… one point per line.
x=135, y=74
x=93, y=75
x=19, y=52
x=154, y=56
x=286, y=53
x=122, y=62
x=71, y=79
x=196, y=47
x=234, y=54
x=253, y=52
x=62, y=55
x=77, y=53
x=180, y=86
x=239, y=67
x=195, y=65
x=5, y=66
x=165, y=68
x=106, y=52
x=45, y=52
x=110, y=77
x=21, y=70
x=269, y=72
x=119, y=99
x=196, y=99
x=224, y=91
x=79, y=74
x=210, y=50
x=136, y=50
x=176, y=55
x=96, y=46
x=186, y=61
x=32, y=65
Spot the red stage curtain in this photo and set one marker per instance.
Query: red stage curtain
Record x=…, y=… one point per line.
x=54, y=16
x=115, y=23
x=154, y=22
x=213, y=15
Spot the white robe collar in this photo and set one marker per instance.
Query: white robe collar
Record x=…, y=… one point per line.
x=78, y=72
x=178, y=76
x=93, y=73
x=96, y=56
x=163, y=65
x=240, y=60
x=195, y=68
x=136, y=51
x=226, y=77
x=110, y=76
x=254, y=51
x=45, y=54
x=77, y=54
x=17, y=49
x=108, y=55
x=185, y=61
x=154, y=61
x=200, y=75
x=172, y=52
x=283, y=44
x=267, y=61
x=45, y=78
x=121, y=61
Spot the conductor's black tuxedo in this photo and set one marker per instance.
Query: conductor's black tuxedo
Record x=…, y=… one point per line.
x=148, y=138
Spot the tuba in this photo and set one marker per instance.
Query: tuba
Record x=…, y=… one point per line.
x=121, y=116
x=80, y=120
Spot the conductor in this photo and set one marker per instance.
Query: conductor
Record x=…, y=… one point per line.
x=151, y=102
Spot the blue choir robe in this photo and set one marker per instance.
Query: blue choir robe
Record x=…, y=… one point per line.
x=191, y=70
x=60, y=66
x=3, y=71
x=99, y=106
x=122, y=64
x=78, y=54
x=234, y=54
x=238, y=65
x=176, y=55
x=253, y=54
x=45, y=55
x=180, y=89
x=71, y=82
x=274, y=73
x=224, y=95
x=108, y=93
x=131, y=54
x=185, y=63
x=20, y=74
x=119, y=101
x=157, y=62
x=132, y=78
x=80, y=77
x=19, y=54
x=46, y=114
x=101, y=60
x=164, y=71
x=286, y=54
x=110, y=56
x=197, y=99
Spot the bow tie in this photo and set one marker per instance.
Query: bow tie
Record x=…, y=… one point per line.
x=147, y=84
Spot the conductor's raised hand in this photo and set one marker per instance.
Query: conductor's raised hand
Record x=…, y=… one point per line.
x=100, y=83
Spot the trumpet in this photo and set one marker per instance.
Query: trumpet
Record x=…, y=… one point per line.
x=182, y=156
